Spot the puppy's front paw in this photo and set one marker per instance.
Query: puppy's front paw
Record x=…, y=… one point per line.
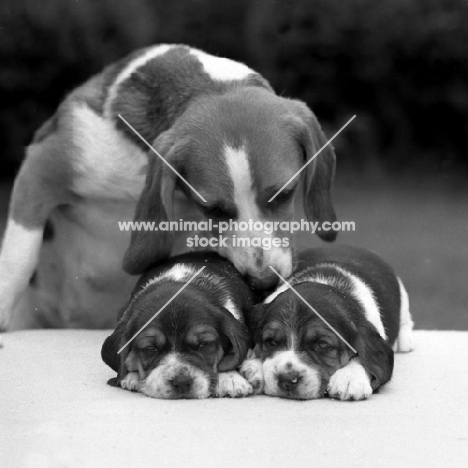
x=131, y=382
x=350, y=383
x=252, y=371
x=232, y=384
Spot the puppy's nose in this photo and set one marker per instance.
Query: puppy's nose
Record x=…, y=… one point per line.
x=288, y=380
x=263, y=283
x=181, y=383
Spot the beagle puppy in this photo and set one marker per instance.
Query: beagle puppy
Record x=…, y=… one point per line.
x=216, y=122
x=192, y=348
x=297, y=355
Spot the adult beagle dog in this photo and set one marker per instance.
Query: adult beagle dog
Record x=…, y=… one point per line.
x=347, y=350
x=192, y=348
x=216, y=122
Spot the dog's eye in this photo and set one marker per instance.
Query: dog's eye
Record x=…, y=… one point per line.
x=204, y=345
x=150, y=348
x=284, y=196
x=321, y=345
x=217, y=212
x=270, y=343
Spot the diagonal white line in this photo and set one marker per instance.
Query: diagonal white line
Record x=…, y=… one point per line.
x=313, y=309
x=160, y=310
x=312, y=158
x=154, y=151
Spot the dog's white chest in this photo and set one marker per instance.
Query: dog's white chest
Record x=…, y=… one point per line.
x=106, y=164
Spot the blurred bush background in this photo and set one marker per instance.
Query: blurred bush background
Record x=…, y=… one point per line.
x=400, y=65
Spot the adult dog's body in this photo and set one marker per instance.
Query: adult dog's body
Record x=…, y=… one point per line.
x=217, y=122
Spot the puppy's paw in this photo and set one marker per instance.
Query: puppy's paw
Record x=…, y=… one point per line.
x=131, y=382
x=405, y=342
x=232, y=384
x=350, y=383
x=252, y=371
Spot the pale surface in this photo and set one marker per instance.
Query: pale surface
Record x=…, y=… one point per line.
x=57, y=411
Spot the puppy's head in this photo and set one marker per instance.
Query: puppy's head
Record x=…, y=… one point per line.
x=238, y=150
x=179, y=354
x=300, y=352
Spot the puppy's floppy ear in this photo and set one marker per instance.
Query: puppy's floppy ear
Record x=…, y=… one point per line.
x=126, y=361
x=112, y=344
x=238, y=342
x=154, y=205
x=320, y=173
x=376, y=355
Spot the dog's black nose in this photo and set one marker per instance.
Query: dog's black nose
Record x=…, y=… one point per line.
x=288, y=381
x=181, y=383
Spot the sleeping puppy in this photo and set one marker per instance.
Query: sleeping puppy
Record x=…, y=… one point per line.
x=297, y=355
x=216, y=122
x=194, y=346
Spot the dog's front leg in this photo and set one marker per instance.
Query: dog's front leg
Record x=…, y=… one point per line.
x=40, y=185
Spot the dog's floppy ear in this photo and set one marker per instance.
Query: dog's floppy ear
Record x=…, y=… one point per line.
x=376, y=355
x=112, y=344
x=320, y=173
x=237, y=343
x=154, y=205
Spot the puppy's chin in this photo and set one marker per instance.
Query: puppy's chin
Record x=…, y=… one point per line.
x=160, y=381
x=164, y=390
x=306, y=382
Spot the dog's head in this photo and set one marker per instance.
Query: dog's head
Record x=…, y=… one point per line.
x=179, y=354
x=300, y=352
x=237, y=151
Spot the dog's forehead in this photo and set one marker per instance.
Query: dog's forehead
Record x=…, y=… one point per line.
x=241, y=141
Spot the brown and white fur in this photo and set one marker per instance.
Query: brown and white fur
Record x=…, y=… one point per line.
x=194, y=345
x=296, y=355
x=216, y=121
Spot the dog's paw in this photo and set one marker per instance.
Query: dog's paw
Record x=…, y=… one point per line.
x=232, y=384
x=131, y=382
x=350, y=383
x=405, y=342
x=252, y=371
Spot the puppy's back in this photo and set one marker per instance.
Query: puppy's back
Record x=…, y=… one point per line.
x=371, y=269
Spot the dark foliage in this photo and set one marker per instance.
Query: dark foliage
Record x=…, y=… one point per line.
x=400, y=65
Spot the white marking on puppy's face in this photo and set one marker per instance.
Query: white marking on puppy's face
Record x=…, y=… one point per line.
x=131, y=67
x=221, y=69
x=248, y=259
x=178, y=272
x=288, y=364
x=158, y=383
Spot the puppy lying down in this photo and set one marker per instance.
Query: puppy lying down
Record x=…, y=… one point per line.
x=193, y=346
x=297, y=355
